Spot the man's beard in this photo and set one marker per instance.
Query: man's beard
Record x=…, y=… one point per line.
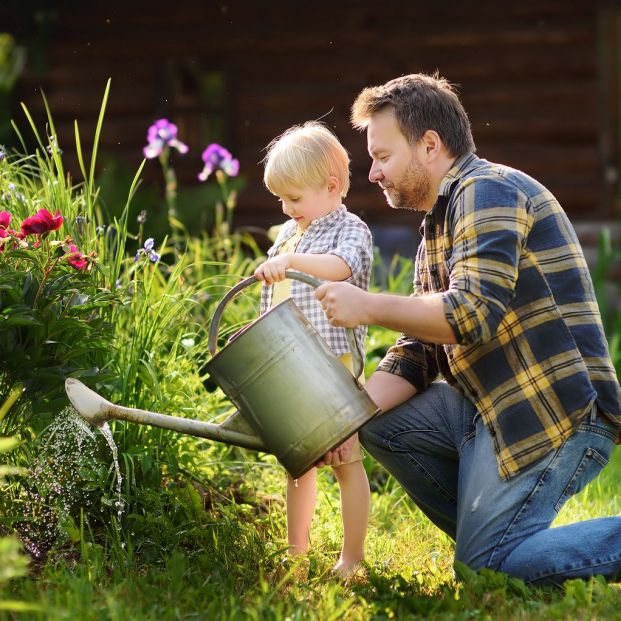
x=413, y=190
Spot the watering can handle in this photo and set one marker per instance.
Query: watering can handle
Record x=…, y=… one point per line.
x=358, y=363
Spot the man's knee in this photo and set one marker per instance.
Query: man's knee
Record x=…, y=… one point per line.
x=475, y=559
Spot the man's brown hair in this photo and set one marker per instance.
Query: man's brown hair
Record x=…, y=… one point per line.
x=420, y=102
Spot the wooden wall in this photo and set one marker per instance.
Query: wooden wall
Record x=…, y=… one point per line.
x=528, y=72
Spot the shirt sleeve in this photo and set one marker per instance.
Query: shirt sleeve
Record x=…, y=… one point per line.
x=489, y=224
x=355, y=246
x=411, y=358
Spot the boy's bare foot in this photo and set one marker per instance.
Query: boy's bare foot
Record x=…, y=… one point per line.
x=347, y=568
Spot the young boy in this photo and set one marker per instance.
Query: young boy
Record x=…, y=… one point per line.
x=307, y=168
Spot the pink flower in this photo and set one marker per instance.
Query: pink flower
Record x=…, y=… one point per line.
x=5, y=220
x=42, y=222
x=216, y=156
x=162, y=134
x=76, y=259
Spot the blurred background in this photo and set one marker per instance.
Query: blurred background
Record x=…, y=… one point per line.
x=540, y=81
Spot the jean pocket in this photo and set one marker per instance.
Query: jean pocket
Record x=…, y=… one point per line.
x=588, y=468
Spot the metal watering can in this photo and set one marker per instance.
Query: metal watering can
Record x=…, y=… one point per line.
x=295, y=398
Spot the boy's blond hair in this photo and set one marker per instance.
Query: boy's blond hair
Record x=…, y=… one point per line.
x=305, y=156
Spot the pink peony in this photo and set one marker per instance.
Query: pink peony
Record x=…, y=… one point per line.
x=42, y=222
x=76, y=258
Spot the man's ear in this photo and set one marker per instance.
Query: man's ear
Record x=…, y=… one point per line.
x=432, y=144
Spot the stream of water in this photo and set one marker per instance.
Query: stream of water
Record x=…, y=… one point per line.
x=107, y=434
x=61, y=479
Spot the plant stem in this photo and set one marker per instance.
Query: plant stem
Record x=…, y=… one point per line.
x=9, y=402
x=45, y=275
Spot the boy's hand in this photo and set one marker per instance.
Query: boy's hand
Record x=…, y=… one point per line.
x=340, y=455
x=273, y=270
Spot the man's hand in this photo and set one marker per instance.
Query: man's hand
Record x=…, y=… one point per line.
x=341, y=454
x=273, y=270
x=345, y=304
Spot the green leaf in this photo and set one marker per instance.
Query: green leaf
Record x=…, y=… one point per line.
x=19, y=321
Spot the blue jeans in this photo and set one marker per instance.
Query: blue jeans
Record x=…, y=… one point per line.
x=442, y=454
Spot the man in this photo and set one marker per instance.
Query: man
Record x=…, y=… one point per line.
x=504, y=310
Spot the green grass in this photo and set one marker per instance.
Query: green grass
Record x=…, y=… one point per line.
x=216, y=551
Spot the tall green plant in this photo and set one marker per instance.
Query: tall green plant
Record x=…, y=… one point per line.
x=608, y=292
x=13, y=563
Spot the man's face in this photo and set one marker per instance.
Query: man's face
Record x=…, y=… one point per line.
x=396, y=165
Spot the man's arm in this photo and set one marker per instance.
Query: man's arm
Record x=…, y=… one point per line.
x=324, y=266
x=420, y=316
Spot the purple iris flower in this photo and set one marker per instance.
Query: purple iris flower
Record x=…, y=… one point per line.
x=162, y=134
x=216, y=156
x=148, y=250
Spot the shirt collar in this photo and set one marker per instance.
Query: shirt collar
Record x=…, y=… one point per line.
x=328, y=220
x=290, y=227
x=460, y=167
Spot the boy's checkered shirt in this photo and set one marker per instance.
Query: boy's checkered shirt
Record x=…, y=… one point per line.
x=344, y=235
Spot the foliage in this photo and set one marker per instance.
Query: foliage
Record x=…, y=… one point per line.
x=51, y=293
x=396, y=277
x=216, y=551
x=13, y=563
x=75, y=302
x=608, y=290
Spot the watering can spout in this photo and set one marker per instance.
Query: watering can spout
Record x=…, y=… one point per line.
x=93, y=408
x=296, y=399
x=96, y=410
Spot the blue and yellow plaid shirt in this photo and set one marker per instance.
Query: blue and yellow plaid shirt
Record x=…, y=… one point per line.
x=531, y=354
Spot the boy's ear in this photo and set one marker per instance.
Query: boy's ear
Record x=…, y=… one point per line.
x=334, y=185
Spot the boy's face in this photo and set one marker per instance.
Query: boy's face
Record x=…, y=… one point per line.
x=307, y=204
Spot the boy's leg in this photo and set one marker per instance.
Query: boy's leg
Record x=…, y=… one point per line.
x=504, y=525
x=355, y=503
x=301, y=497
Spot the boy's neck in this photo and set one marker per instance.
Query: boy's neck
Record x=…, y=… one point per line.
x=325, y=215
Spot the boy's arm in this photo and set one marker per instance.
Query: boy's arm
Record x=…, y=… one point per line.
x=324, y=266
